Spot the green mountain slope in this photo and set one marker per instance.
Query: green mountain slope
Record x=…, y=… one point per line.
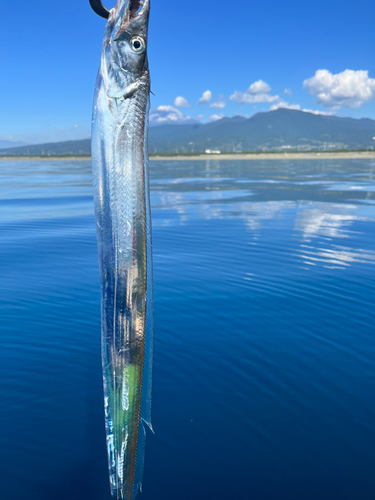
x=269, y=131
x=282, y=129
x=81, y=147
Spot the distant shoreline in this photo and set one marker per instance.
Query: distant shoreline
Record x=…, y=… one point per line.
x=269, y=156
x=246, y=156
x=44, y=158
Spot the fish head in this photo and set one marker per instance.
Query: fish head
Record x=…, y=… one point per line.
x=124, y=61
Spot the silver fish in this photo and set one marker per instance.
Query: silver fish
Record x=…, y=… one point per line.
x=122, y=210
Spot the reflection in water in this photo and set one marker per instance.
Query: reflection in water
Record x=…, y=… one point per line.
x=337, y=256
x=330, y=220
x=264, y=332
x=316, y=200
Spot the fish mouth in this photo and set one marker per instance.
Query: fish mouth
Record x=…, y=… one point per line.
x=132, y=9
x=136, y=7
x=127, y=12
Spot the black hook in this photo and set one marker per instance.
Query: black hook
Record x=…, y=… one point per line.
x=99, y=8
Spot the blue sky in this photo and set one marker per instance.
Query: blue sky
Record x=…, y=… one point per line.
x=250, y=56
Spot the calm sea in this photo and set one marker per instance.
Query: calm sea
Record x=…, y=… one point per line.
x=264, y=360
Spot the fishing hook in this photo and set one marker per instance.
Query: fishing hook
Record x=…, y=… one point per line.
x=99, y=8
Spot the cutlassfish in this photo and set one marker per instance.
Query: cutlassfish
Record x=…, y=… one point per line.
x=122, y=211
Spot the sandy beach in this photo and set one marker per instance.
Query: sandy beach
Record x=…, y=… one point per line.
x=252, y=156
x=270, y=156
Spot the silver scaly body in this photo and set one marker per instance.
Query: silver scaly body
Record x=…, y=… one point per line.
x=122, y=210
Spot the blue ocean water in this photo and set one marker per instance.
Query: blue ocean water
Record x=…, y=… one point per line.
x=264, y=358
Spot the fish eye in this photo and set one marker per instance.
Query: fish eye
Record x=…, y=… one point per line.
x=137, y=44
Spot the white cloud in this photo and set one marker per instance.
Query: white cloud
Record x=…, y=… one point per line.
x=258, y=91
x=75, y=126
x=348, y=88
x=283, y=104
x=181, y=102
x=259, y=87
x=288, y=91
x=214, y=118
x=316, y=112
x=167, y=114
x=246, y=98
x=199, y=117
x=206, y=97
x=220, y=103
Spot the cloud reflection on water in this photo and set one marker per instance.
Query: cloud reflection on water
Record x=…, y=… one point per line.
x=305, y=208
x=308, y=205
x=336, y=256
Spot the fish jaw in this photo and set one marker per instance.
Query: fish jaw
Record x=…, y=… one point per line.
x=122, y=66
x=129, y=12
x=128, y=16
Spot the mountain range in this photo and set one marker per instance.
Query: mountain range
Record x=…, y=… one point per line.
x=11, y=144
x=282, y=129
